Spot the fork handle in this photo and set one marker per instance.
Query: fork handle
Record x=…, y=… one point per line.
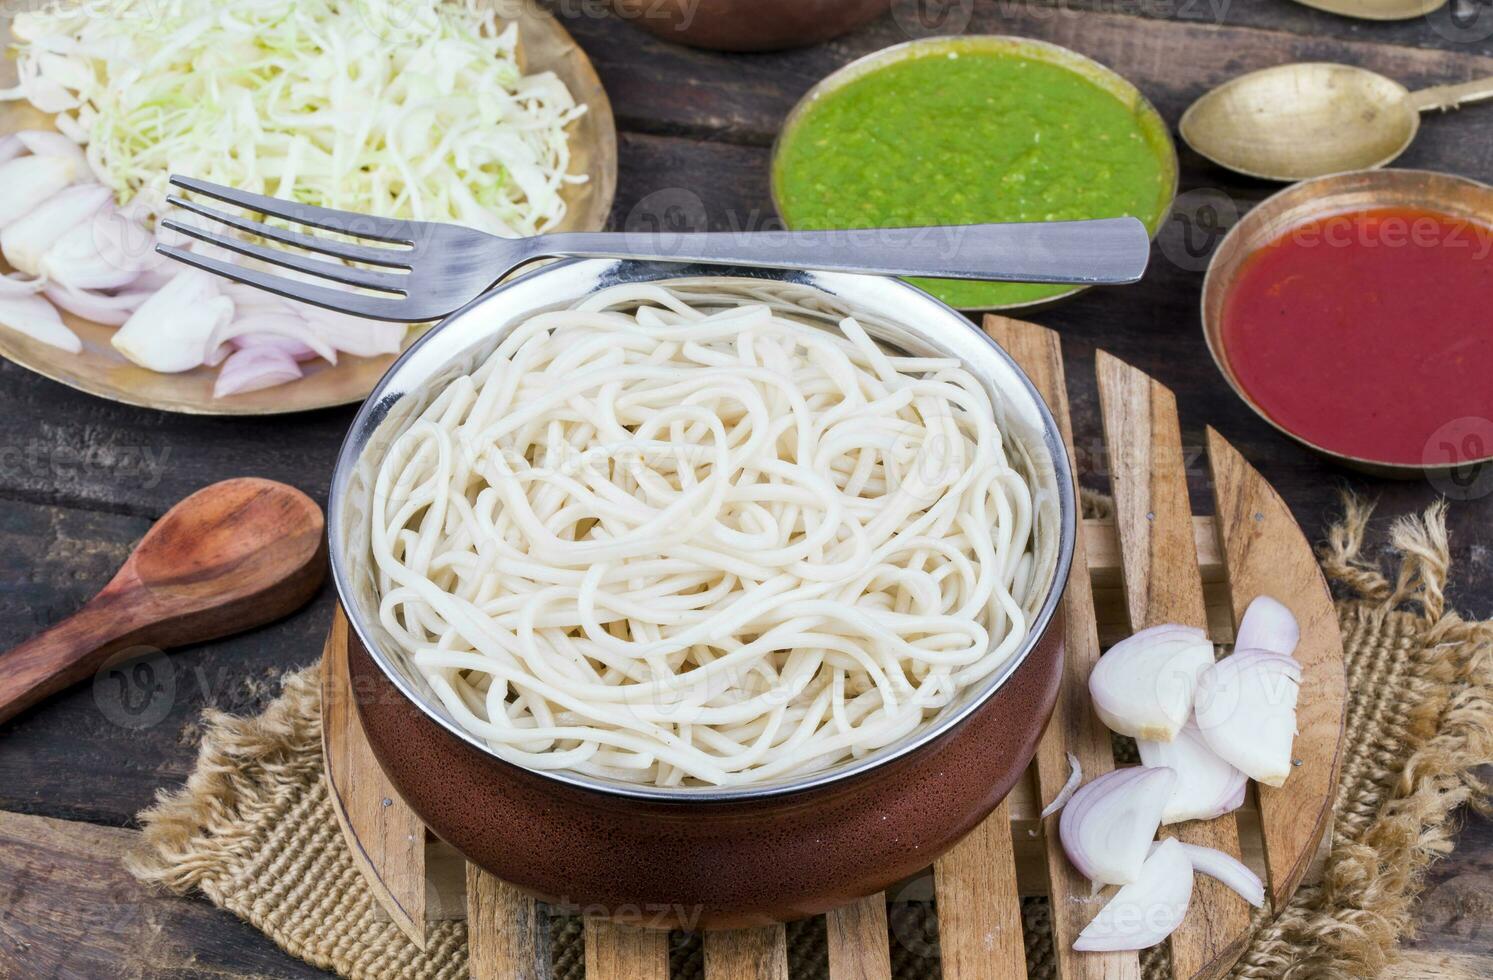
x=1106, y=250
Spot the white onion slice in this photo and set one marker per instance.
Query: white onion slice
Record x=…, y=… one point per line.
x=36, y=318
x=44, y=143
x=1147, y=910
x=1144, y=685
x=1246, y=712
x=108, y=251
x=356, y=335
x=172, y=331
x=1075, y=777
x=1268, y=625
x=10, y=147
x=254, y=368
x=287, y=345
x=1224, y=867
x=286, y=325
x=27, y=239
x=28, y=181
x=1109, y=824
x=1207, y=786
x=109, y=309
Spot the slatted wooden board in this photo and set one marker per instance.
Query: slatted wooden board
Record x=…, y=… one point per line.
x=1155, y=562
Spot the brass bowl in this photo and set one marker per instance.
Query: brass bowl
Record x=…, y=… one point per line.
x=1326, y=197
x=101, y=370
x=1103, y=77
x=749, y=25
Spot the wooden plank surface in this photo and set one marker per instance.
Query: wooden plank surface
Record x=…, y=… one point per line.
x=747, y=954
x=1163, y=585
x=1267, y=555
x=859, y=941
x=389, y=839
x=508, y=936
x=1074, y=727
x=979, y=905
x=619, y=952
x=81, y=478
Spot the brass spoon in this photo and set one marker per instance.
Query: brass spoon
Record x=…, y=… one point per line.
x=231, y=556
x=1377, y=9
x=1298, y=121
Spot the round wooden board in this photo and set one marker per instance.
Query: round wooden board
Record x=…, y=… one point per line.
x=100, y=370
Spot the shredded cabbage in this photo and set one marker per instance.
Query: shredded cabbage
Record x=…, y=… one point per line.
x=398, y=108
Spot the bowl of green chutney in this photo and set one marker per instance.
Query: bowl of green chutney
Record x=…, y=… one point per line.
x=964, y=130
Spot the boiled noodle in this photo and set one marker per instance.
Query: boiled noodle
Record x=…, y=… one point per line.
x=666, y=540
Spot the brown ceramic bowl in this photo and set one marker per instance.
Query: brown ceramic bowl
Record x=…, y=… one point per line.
x=1324, y=197
x=749, y=25
x=705, y=857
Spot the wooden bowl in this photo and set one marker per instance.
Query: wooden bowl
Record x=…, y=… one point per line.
x=749, y=25
x=1320, y=198
x=101, y=370
x=704, y=856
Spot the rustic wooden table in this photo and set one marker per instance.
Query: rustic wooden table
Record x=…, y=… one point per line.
x=81, y=479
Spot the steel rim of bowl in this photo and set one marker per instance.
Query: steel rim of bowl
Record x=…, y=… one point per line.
x=1215, y=349
x=604, y=272
x=990, y=43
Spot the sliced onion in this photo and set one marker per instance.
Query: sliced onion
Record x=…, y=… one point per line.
x=28, y=181
x=254, y=368
x=1109, y=824
x=1144, y=685
x=1075, y=776
x=108, y=251
x=1224, y=867
x=27, y=239
x=36, y=318
x=109, y=309
x=1147, y=910
x=173, y=330
x=1246, y=712
x=10, y=147
x=355, y=335
x=48, y=144
x=1207, y=786
x=1268, y=625
x=286, y=325
x=17, y=284
x=286, y=345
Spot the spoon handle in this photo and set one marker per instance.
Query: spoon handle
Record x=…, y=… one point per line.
x=67, y=652
x=1446, y=97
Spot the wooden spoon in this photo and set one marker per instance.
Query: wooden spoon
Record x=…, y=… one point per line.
x=1298, y=121
x=231, y=556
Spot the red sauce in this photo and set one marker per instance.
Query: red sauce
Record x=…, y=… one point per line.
x=1366, y=333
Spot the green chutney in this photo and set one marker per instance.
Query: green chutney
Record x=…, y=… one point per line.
x=959, y=134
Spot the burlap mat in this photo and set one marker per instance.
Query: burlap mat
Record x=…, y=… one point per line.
x=253, y=830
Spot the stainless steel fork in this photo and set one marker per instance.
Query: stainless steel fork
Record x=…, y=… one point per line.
x=428, y=269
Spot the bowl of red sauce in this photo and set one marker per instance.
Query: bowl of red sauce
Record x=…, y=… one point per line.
x=1355, y=313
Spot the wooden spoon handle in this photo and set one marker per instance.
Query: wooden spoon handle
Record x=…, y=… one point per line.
x=1445, y=97
x=66, y=653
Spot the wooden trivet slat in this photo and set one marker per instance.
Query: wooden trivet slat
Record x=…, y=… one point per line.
x=1154, y=563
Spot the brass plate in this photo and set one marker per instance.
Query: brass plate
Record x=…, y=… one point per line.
x=101, y=370
x=1376, y=9
x=1325, y=197
x=1101, y=76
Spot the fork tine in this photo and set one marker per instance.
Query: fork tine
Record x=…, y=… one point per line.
x=373, y=307
x=392, y=257
x=367, y=278
x=329, y=219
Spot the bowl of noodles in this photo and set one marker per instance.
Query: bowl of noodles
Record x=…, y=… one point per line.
x=703, y=597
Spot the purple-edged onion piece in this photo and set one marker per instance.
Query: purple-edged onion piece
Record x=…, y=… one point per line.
x=1246, y=712
x=1207, y=786
x=1147, y=910
x=1107, y=827
x=1268, y=625
x=1226, y=868
x=1144, y=685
